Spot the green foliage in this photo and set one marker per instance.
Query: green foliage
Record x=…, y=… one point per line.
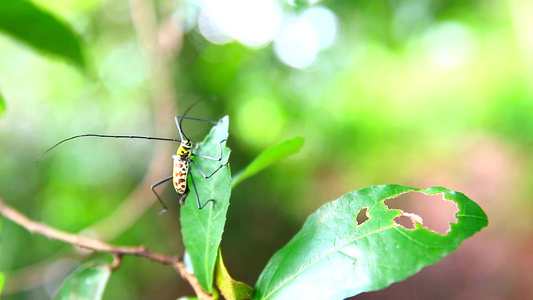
x=2, y=105
x=376, y=98
x=332, y=257
x=41, y=30
x=268, y=157
x=87, y=282
x=229, y=287
x=1, y=281
x=202, y=228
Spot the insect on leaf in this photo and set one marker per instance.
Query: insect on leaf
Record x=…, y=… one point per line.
x=268, y=157
x=86, y=282
x=29, y=24
x=202, y=228
x=334, y=257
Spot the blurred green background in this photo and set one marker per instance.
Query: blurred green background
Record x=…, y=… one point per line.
x=415, y=92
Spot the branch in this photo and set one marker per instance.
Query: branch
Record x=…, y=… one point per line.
x=96, y=245
x=80, y=241
x=193, y=281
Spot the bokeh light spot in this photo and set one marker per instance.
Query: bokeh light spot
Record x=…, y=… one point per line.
x=211, y=31
x=252, y=23
x=302, y=37
x=449, y=45
x=297, y=39
x=297, y=45
x=325, y=25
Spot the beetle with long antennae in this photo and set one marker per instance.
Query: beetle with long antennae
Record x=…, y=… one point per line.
x=182, y=160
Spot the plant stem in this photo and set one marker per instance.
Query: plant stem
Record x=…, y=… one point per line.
x=98, y=246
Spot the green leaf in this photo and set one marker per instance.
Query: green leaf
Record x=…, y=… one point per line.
x=332, y=258
x=202, y=228
x=39, y=29
x=230, y=288
x=2, y=105
x=87, y=282
x=268, y=157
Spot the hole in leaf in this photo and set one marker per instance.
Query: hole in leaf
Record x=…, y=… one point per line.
x=362, y=216
x=405, y=222
x=408, y=221
x=435, y=212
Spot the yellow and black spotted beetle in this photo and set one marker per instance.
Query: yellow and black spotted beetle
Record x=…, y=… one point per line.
x=182, y=160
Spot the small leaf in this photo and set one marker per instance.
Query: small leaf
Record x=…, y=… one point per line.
x=29, y=24
x=2, y=105
x=334, y=258
x=268, y=157
x=87, y=282
x=202, y=228
x=231, y=289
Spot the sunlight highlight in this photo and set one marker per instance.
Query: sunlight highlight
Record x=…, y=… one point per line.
x=297, y=38
x=253, y=24
x=450, y=45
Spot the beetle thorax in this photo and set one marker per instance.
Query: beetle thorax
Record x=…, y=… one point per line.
x=184, y=150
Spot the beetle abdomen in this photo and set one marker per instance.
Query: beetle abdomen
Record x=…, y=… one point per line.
x=179, y=176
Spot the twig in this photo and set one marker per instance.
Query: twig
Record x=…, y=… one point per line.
x=81, y=241
x=96, y=245
x=193, y=281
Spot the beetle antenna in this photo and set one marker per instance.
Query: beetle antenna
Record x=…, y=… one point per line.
x=107, y=136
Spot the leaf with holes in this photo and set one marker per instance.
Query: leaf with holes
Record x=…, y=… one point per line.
x=87, y=282
x=202, y=228
x=333, y=257
x=28, y=23
x=268, y=157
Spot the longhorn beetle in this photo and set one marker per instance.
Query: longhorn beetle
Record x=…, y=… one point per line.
x=182, y=160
